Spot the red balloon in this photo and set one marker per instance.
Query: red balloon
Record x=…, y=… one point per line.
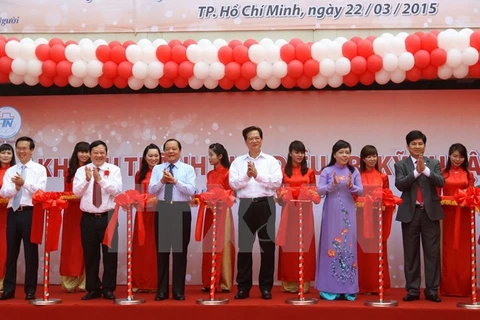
x=105, y=82
x=5, y=65
x=2, y=38
x=170, y=70
x=295, y=69
x=429, y=41
x=418, y=33
x=370, y=38
x=438, y=57
x=42, y=51
x=225, y=54
x=180, y=82
x=349, y=49
x=179, y=54
x=287, y=52
x=475, y=40
x=242, y=84
x=125, y=69
x=120, y=82
x=249, y=42
x=49, y=68
x=4, y=78
x=189, y=42
x=435, y=32
x=165, y=82
x=55, y=41
x=233, y=71
x=414, y=74
x=240, y=54
x=185, y=69
x=374, y=63
x=311, y=68
x=249, y=70
x=304, y=82
x=2, y=48
x=359, y=65
x=367, y=78
x=365, y=48
x=233, y=43
x=60, y=81
x=174, y=42
x=164, y=53
x=64, y=69
x=127, y=43
x=45, y=81
x=413, y=43
x=225, y=83
x=114, y=43
x=295, y=42
x=57, y=53
x=69, y=42
x=103, y=53
x=288, y=82
x=356, y=39
x=422, y=59
x=430, y=72
x=118, y=54
x=351, y=79
x=110, y=69
x=474, y=70
x=13, y=39
x=303, y=52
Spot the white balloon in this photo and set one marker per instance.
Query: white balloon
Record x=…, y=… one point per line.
x=335, y=81
x=461, y=71
x=88, y=52
x=75, y=81
x=149, y=54
x=454, y=58
x=27, y=40
x=216, y=71
x=334, y=50
x=325, y=41
x=90, y=82
x=34, y=67
x=382, y=77
x=73, y=52
x=264, y=70
x=195, y=83
x=218, y=43
x=79, y=68
x=257, y=53
x=446, y=40
x=266, y=42
x=467, y=31
x=319, y=51
x=40, y=41
x=273, y=82
x=387, y=36
x=279, y=69
x=85, y=42
x=194, y=53
x=398, y=76
x=158, y=42
x=462, y=41
x=445, y=72
x=210, y=83
x=27, y=51
x=380, y=46
x=140, y=70
x=342, y=66
x=12, y=48
x=402, y=35
x=281, y=42
x=94, y=68
x=406, y=61
x=15, y=78
x=19, y=66
x=30, y=80
x=327, y=67
x=319, y=81
x=204, y=43
x=99, y=42
x=341, y=40
x=390, y=62
x=200, y=70
x=257, y=83
x=150, y=83
x=133, y=53
x=210, y=54
x=142, y=43
x=155, y=70
x=397, y=46
x=273, y=53
x=469, y=56
x=134, y=83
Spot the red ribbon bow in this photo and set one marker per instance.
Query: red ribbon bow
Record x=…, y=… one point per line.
x=51, y=204
x=125, y=201
x=469, y=197
x=213, y=197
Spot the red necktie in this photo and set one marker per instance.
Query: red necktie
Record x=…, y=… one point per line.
x=97, y=194
x=419, y=193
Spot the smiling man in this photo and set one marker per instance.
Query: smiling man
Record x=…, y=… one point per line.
x=173, y=182
x=97, y=184
x=417, y=177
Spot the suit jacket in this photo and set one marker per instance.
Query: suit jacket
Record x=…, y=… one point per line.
x=406, y=182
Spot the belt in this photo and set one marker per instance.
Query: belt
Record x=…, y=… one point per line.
x=259, y=199
x=173, y=202
x=420, y=206
x=97, y=215
x=23, y=208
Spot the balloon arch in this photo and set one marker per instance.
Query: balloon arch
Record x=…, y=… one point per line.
x=256, y=64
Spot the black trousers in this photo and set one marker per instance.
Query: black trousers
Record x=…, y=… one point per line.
x=19, y=226
x=421, y=227
x=256, y=217
x=92, y=231
x=172, y=231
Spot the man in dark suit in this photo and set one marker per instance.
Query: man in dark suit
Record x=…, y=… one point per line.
x=420, y=213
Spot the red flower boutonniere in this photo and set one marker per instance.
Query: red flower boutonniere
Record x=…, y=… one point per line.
x=106, y=173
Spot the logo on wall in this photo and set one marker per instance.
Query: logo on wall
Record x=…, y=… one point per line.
x=10, y=122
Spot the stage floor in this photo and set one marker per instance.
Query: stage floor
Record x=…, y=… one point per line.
x=72, y=307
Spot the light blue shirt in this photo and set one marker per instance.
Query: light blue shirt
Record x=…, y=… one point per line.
x=183, y=190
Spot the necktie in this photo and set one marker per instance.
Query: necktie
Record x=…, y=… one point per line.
x=18, y=196
x=97, y=194
x=169, y=186
x=419, y=192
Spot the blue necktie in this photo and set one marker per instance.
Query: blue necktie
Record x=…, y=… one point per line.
x=169, y=186
x=18, y=196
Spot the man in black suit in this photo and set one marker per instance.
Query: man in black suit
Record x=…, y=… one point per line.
x=417, y=177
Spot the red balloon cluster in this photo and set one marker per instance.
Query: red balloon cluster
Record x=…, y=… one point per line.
x=428, y=56
x=55, y=67
x=5, y=61
x=474, y=70
x=364, y=62
x=301, y=67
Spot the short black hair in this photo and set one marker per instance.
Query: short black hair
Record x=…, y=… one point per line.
x=414, y=135
x=170, y=140
x=97, y=143
x=250, y=129
x=28, y=139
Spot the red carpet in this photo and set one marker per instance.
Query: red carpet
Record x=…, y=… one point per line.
x=72, y=308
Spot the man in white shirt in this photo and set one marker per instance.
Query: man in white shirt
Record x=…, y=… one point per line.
x=20, y=183
x=97, y=184
x=255, y=176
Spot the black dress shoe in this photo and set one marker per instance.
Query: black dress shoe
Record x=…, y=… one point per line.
x=205, y=289
x=225, y=291
x=161, y=296
x=179, y=297
x=108, y=295
x=410, y=297
x=30, y=296
x=7, y=295
x=242, y=295
x=433, y=298
x=266, y=295
x=92, y=295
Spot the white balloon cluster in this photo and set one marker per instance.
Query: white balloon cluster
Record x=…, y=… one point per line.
x=396, y=60
x=460, y=55
x=333, y=65
x=25, y=65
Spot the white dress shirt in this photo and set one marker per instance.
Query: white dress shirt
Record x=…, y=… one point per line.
x=183, y=190
x=426, y=172
x=268, y=180
x=111, y=187
x=35, y=179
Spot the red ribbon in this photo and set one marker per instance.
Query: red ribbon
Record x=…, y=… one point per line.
x=144, y=203
x=469, y=197
x=125, y=201
x=47, y=202
x=213, y=197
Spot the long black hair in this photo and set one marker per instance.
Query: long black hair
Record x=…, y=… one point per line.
x=73, y=164
x=366, y=151
x=219, y=149
x=299, y=147
x=8, y=147
x=144, y=164
x=463, y=152
x=340, y=144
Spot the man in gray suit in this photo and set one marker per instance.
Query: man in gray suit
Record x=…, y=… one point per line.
x=417, y=177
